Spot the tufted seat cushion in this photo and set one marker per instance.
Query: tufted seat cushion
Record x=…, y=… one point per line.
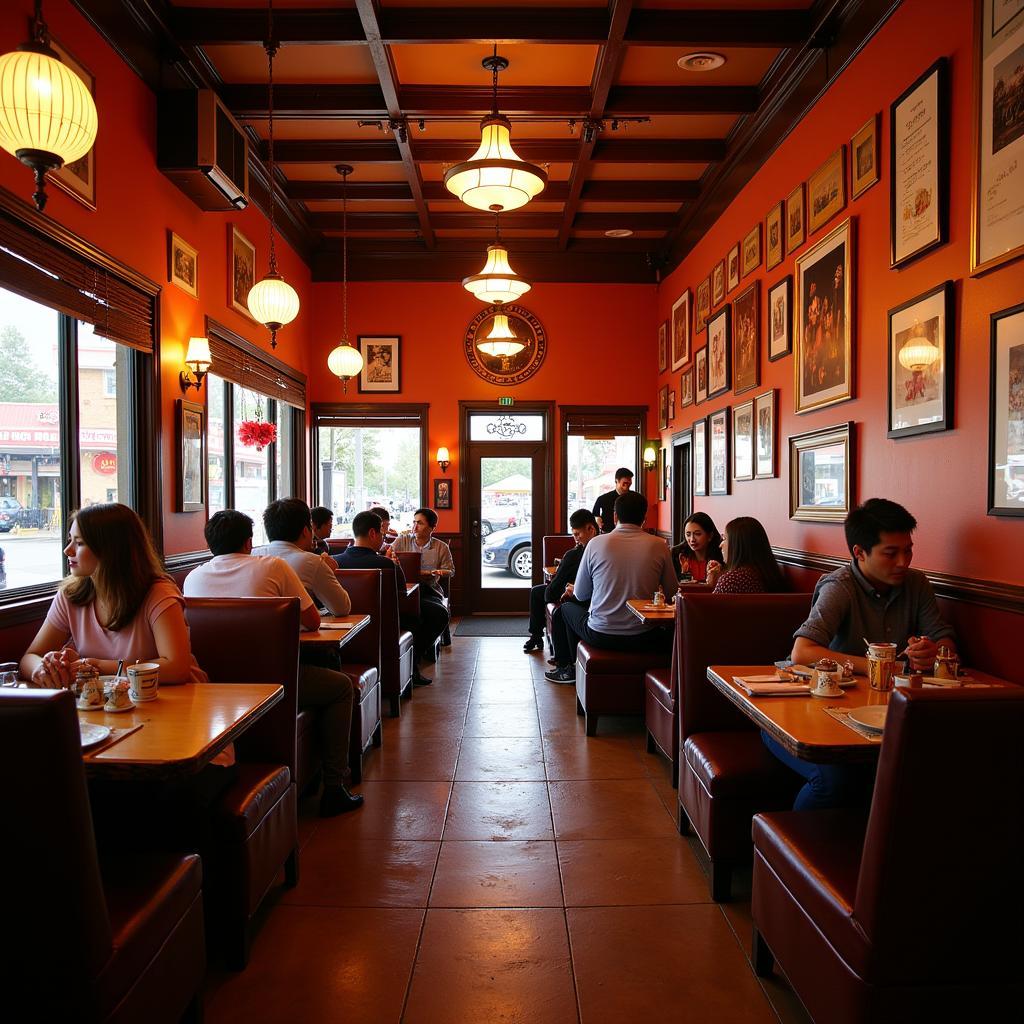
x=258, y=788
x=730, y=764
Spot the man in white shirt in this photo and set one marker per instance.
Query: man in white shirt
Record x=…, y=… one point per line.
x=435, y=556
x=235, y=572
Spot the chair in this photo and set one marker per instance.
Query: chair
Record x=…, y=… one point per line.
x=252, y=640
x=117, y=942
x=902, y=917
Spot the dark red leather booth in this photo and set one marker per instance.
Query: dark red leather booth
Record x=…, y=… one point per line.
x=611, y=682
x=660, y=715
x=410, y=562
x=912, y=915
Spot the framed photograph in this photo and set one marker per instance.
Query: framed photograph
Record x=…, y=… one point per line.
x=919, y=144
x=780, y=305
x=773, y=237
x=820, y=474
x=718, y=283
x=702, y=306
x=182, y=264
x=921, y=364
x=442, y=494
x=746, y=340
x=751, y=251
x=823, y=321
x=732, y=269
x=764, y=436
x=666, y=476
x=382, y=365
x=795, y=230
x=719, y=353
x=686, y=388
x=241, y=270
x=743, y=441
x=663, y=347
x=700, y=457
x=190, y=456
x=663, y=407
x=681, y=331
x=997, y=215
x=701, y=371
x=671, y=406
x=718, y=451
x=659, y=471
x=1006, y=414
x=864, y=157
x=78, y=178
x=826, y=191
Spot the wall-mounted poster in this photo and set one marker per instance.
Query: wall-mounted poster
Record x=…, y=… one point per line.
x=864, y=157
x=190, y=453
x=182, y=264
x=718, y=451
x=681, y=331
x=780, y=304
x=241, y=270
x=751, y=258
x=718, y=283
x=671, y=406
x=663, y=347
x=919, y=144
x=743, y=441
x=701, y=370
x=824, y=321
x=663, y=407
x=702, y=305
x=746, y=337
x=1006, y=414
x=719, y=353
x=773, y=237
x=764, y=436
x=826, y=191
x=821, y=474
x=997, y=215
x=686, y=388
x=443, y=493
x=732, y=271
x=700, y=457
x=382, y=365
x=795, y=232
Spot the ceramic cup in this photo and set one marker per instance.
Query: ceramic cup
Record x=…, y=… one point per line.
x=826, y=683
x=92, y=693
x=143, y=681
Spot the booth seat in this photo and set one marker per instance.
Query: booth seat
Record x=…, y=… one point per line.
x=410, y=562
x=661, y=716
x=554, y=545
x=611, y=682
x=335, y=545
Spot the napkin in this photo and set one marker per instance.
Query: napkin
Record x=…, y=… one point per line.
x=770, y=686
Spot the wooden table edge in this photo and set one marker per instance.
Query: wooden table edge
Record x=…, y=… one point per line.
x=336, y=636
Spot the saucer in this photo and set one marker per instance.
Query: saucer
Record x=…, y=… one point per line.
x=88, y=707
x=110, y=710
x=827, y=696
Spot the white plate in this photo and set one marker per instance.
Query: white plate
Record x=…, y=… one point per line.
x=871, y=717
x=93, y=734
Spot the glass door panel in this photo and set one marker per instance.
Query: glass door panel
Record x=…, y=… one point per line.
x=590, y=467
x=506, y=523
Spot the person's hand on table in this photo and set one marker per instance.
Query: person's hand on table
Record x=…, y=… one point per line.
x=921, y=651
x=56, y=669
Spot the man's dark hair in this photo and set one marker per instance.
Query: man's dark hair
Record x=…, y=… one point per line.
x=621, y=472
x=227, y=531
x=381, y=513
x=631, y=508
x=866, y=523
x=364, y=522
x=429, y=514
x=320, y=515
x=286, y=518
x=583, y=517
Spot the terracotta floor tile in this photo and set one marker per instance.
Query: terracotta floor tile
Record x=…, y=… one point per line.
x=393, y=810
x=489, y=874
x=406, y=755
x=502, y=720
x=499, y=810
x=492, y=965
x=595, y=757
x=501, y=758
x=321, y=964
x=503, y=691
x=662, y=963
x=614, y=809
x=434, y=719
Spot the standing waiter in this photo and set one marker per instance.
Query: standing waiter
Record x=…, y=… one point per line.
x=603, y=507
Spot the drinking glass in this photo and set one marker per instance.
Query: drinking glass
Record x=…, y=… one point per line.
x=8, y=673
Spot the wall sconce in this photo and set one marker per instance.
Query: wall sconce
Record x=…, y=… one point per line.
x=650, y=456
x=443, y=458
x=198, y=360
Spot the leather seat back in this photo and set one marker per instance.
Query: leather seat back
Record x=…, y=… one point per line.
x=388, y=632
x=556, y=545
x=364, y=587
x=410, y=563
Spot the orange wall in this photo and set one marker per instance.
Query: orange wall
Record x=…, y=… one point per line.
x=942, y=478
x=597, y=351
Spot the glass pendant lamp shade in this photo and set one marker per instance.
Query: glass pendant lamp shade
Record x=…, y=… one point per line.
x=345, y=362
x=501, y=342
x=497, y=282
x=273, y=302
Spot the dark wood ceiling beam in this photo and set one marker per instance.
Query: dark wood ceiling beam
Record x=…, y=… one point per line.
x=393, y=221
x=494, y=24
x=759, y=28
x=632, y=221
x=202, y=25
x=346, y=151
x=471, y=247
x=357, y=191
x=454, y=150
x=658, y=151
x=305, y=101
x=639, y=191
x=683, y=99
x=435, y=192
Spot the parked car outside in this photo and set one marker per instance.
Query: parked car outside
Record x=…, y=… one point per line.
x=12, y=514
x=499, y=517
x=511, y=550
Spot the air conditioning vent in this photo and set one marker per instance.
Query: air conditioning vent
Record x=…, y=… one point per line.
x=201, y=148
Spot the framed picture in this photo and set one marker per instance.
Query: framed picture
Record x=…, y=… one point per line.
x=79, y=177
x=823, y=321
x=681, y=331
x=182, y=264
x=773, y=237
x=1006, y=414
x=442, y=494
x=666, y=475
x=751, y=251
x=743, y=441
x=864, y=157
x=241, y=270
x=820, y=474
x=780, y=305
x=190, y=456
x=718, y=283
x=686, y=388
x=701, y=371
x=746, y=340
x=671, y=406
x=921, y=364
x=719, y=354
x=663, y=407
x=382, y=365
x=718, y=451
x=663, y=347
x=764, y=436
x=826, y=191
x=997, y=216
x=702, y=306
x=919, y=144
x=732, y=270
x=795, y=231
x=700, y=457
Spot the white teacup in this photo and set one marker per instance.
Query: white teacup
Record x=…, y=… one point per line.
x=826, y=683
x=143, y=681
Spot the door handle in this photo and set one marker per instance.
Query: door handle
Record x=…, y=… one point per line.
x=475, y=526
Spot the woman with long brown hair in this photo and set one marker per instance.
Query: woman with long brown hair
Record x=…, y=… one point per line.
x=750, y=566
x=117, y=604
x=700, y=547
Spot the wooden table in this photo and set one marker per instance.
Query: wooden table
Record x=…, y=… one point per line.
x=347, y=627
x=182, y=731
x=650, y=616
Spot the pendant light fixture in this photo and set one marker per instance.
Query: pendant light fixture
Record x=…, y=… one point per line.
x=344, y=361
x=494, y=177
x=272, y=301
x=47, y=114
x=502, y=341
x=497, y=282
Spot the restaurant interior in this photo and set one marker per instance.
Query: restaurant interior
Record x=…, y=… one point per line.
x=474, y=255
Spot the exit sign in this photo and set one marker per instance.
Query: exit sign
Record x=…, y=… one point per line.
x=506, y=400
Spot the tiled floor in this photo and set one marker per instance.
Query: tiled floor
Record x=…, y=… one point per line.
x=504, y=868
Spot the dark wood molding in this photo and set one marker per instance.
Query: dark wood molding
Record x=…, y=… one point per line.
x=474, y=221
x=186, y=560
x=752, y=28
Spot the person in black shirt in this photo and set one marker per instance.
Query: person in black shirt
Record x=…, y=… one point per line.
x=605, y=504
x=323, y=523
x=584, y=530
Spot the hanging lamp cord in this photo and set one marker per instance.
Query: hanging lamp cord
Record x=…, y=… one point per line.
x=344, y=257
x=494, y=83
x=40, y=33
x=271, y=47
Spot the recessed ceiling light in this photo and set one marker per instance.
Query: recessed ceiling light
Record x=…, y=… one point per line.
x=618, y=233
x=705, y=61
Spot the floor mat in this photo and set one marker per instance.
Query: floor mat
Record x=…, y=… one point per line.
x=493, y=625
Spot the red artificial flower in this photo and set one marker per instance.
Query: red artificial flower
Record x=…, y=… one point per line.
x=257, y=434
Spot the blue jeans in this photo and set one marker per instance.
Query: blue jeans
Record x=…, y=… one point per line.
x=827, y=785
